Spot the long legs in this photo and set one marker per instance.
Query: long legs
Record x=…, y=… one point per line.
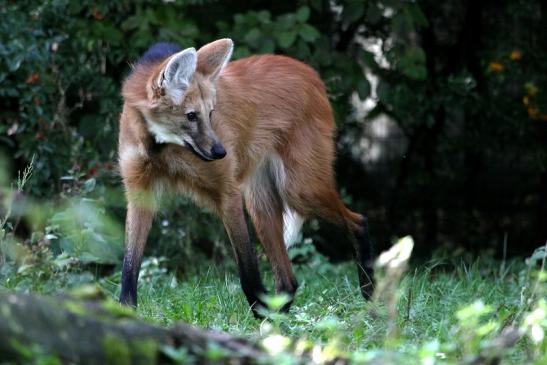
x=360, y=238
x=272, y=189
x=137, y=227
x=266, y=212
x=266, y=208
x=244, y=250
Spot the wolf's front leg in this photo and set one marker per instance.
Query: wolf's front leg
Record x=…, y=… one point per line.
x=137, y=227
x=245, y=253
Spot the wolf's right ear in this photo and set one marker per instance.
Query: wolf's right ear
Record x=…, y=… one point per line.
x=176, y=76
x=213, y=56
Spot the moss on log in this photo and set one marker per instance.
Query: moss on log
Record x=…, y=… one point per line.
x=85, y=331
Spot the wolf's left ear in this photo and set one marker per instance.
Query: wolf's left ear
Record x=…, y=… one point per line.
x=214, y=56
x=176, y=76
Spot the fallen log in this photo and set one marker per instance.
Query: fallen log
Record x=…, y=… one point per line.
x=84, y=331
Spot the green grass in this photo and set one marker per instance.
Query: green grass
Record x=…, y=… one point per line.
x=328, y=308
x=430, y=296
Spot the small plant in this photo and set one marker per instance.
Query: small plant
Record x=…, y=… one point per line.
x=13, y=199
x=65, y=238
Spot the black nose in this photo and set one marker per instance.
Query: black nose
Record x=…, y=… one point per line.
x=218, y=151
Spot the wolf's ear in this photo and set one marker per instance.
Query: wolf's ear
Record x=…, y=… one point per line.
x=214, y=56
x=176, y=76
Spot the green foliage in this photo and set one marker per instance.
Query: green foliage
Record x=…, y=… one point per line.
x=446, y=84
x=63, y=63
x=257, y=32
x=82, y=231
x=62, y=67
x=67, y=237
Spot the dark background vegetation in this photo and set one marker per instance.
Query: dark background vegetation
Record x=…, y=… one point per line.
x=450, y=145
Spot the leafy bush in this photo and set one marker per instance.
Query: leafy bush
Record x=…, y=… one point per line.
x=62, y=64
x=465, y=103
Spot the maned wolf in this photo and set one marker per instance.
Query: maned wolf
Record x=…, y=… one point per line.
x=258, y=130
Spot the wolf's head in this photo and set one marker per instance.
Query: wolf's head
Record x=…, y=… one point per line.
x=182, y=98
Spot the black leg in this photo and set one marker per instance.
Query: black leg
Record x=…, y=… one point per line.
x=364, y=258
x=137, y=226
x=130, y=277
x=290, y=290
x=251, y=282
x=266, y=212
x=245, y=253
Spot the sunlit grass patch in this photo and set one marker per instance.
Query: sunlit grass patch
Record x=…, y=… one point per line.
x=446, y=310
x=328, y=304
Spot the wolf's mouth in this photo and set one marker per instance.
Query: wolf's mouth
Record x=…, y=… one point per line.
x=197, y=151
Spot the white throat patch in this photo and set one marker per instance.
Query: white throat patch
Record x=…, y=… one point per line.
x=162, y=135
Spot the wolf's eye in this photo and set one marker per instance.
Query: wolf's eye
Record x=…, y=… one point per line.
x=192, y=117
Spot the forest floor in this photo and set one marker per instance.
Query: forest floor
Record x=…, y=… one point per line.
x=440, y=312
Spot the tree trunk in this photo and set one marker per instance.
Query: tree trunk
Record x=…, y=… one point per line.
x=103, y=332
